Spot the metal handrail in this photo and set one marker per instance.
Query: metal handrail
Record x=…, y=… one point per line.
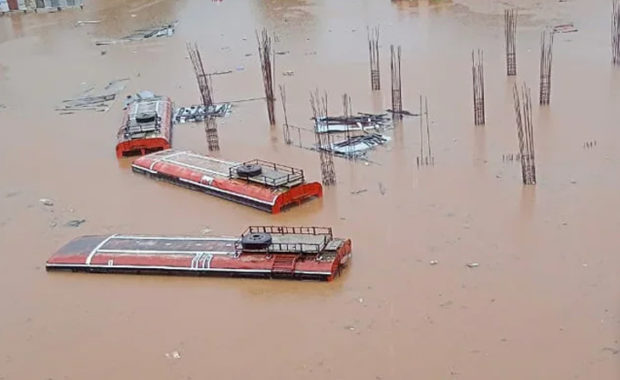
x=305, y=230
x=283, y=248
x=292, y=174
x=325, y=232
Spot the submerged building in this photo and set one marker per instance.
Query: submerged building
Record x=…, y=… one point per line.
x=35, y=5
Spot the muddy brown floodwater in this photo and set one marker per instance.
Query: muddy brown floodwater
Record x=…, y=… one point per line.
x=544, y=302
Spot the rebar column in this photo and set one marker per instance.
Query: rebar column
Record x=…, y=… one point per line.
x=477, y=68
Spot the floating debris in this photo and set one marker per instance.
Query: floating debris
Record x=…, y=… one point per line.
x=87, y=22
x=46, y=202
x=382, y=189
x=511, y=157
x=90, y=101
x=173, y=355
x=473, y=265
x=75, y=222
x=565, y=28
x=288, y=73
x=363, y=122
x=403, y=112
x=433, y=262
x=359, y=191
x=165, y=30
x=357, y=145
x=198, y=113
x=220, y=73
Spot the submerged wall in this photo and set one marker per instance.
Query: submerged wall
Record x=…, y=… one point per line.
x=61, y=3
x=41, y=4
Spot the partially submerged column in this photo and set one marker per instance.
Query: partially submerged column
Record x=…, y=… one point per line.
x=323, y=140
x=373, y=51
x=426, y=155
x=286, y=130
x=477, y=68
x=525, y=133
x=546, y=58
x=204, y=85
x=397, y=104
x=267, y=63
x=615, y=32
x=510, y=30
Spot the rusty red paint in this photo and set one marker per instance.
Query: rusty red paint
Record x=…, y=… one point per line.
x=200, y=256
x=271, y=198
x=151, y=142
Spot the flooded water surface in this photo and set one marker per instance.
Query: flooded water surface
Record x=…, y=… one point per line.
x=543, y=302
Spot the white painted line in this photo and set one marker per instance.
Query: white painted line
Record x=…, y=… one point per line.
x=162, y=268
x=199, y=168
x=147, y=237
x=164, y=158
x=162, y=252
x=94, y=251
x=143, y=168
x=231, y=163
